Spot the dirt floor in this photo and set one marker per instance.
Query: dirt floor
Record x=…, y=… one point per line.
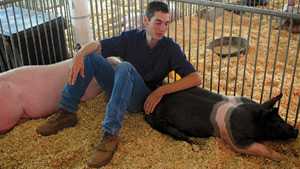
x=140, y=147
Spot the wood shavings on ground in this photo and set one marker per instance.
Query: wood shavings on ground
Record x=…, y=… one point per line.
x=140, y=147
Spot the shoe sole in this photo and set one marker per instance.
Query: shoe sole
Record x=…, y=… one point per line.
x=104, y=163
x=56, y=131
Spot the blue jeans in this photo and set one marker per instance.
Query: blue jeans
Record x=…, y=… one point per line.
x=124, y=86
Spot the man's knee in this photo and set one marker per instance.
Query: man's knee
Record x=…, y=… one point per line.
x=124, y=67
x=94, y=55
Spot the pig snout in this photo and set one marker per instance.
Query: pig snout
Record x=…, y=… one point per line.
x=289, y=132
x=295, y=133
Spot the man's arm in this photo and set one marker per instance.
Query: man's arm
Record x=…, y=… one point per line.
x=78, y=66
x=186, y=82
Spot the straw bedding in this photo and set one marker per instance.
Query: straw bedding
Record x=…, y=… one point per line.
x=141, y=146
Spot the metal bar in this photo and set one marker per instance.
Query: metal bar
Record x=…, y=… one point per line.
x=58, y=30
x=25, y=34
x=246, y=57
x=45, y=31
x=7, y=2
x=129, y=14
x=293, y=79
x=5, y=46
x=297, y=112
x=124, y=15
x=256, y=55
x=63, y=26
x=135, y=12
x=198, y=36
x=112, y=17
x=266, y=60
x=221, y=51
x=228, y=57
x=18, y=39
x=238, y=57
x=168, y=32
x=15, y=54
x=242, y=8
x=175, y=21
x=212, y=55
x=33, y=36
x=51, y=33
x=205, y=43
x=119, y=17
x=183, y=28
x=175, y=31
x=275, y=60
x=39, y=33
x=142, y=14
x=285, y=64
x=282, y=4
x=93, y=19
x=102, y=20
x=68, y=15
x=107, y=18
x=190, y=32
x=273, y=5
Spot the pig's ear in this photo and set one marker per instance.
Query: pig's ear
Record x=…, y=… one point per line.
x=270, y=103
x=275, y=110
x=266, y=113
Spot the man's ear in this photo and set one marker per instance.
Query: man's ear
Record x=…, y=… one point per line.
x=146, y=21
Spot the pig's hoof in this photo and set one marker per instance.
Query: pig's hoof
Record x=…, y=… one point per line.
x=196, y=148
x=198, y=141
x=2, y=136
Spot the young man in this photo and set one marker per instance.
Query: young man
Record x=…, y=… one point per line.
x=135, y=84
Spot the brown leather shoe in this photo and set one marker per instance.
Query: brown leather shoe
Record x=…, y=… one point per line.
x=104, y=151
x=57, y=122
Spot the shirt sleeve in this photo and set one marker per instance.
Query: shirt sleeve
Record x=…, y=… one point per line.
x=179, y=63
x=115, y=46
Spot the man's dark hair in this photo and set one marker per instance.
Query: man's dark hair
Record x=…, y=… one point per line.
x=156, y=6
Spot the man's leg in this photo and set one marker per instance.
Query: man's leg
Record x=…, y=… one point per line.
x=94, y=65
x=129, y=92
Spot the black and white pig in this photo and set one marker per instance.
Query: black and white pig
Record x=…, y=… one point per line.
x=237, y=121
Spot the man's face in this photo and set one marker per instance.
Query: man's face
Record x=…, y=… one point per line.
x=157, y=25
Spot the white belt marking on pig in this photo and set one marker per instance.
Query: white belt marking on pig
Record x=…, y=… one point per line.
x=220, y=119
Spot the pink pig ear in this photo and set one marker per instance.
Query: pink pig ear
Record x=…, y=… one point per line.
x=270, y=103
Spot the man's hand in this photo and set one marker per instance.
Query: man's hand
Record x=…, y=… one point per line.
x=153, y=99
x=78, y=67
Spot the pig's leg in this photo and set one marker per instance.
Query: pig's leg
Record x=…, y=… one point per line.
x=261, y=150
x=11, y=107
x=164, y=127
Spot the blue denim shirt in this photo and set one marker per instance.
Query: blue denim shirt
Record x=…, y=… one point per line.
x=153, y=64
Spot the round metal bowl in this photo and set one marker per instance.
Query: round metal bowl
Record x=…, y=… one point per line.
x=229, y=46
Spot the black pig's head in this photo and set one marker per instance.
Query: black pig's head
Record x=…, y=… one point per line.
x=274, y=127
x=271, y=125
